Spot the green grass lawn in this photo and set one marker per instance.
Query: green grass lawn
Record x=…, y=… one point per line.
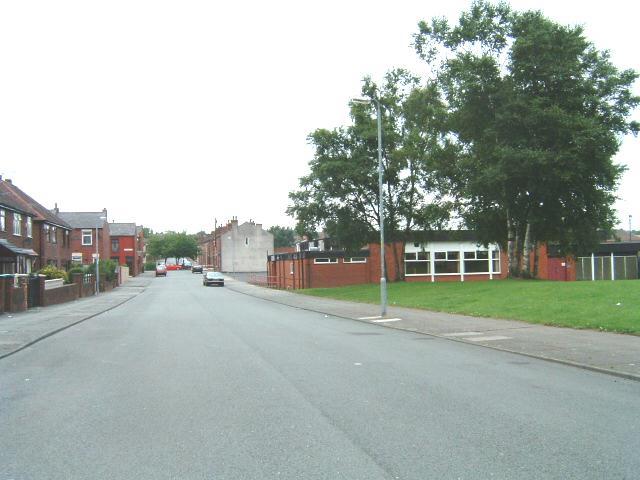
x=604, y=305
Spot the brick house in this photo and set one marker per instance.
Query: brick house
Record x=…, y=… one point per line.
x=16, y=245
x=89, y=235
x=236, y=247
x=127, y=246
x=44, y=232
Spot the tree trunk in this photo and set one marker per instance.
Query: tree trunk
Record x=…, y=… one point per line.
x=511, y=248
x=526, y=253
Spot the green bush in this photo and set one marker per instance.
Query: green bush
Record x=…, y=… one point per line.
x=107, y=269
x=75, y=269
x=52, y=272
x=150, y=266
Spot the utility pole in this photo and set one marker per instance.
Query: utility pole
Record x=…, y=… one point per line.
x=629, y=227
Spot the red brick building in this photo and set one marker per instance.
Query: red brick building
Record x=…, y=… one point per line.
x=89, y=235
x=16, y=247
x=453, y=256
x=127, y=246
x=43, y=232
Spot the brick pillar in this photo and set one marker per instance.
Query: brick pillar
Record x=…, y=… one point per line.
x=3, y=294
x=76, y=278
x=41, y=279
x=23, y=284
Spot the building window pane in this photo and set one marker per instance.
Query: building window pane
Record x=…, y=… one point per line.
x=115, y=244
x=476, y=266
x=87, y=237
x=423, y=255
x=447, y=267
x=29, y=227
x=441, y=255
x=410, y=256
x=3, y=219
x=453, y=255
x=417, y=268
x=325, y=260
x=17, y=224
x=482, y=255
x=469, y=255
x=54, y=235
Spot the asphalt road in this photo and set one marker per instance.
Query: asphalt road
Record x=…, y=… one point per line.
x=188, y=382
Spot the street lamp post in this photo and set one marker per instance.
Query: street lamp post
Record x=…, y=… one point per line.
x=383, y=276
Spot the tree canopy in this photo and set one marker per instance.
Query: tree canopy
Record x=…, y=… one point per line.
x=535, y=114
x=340, y=194
x=282, y=236
x=173, y=244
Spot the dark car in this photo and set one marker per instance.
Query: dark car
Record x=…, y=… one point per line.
x=213, y=278
x=196, y=268
x=161, y=269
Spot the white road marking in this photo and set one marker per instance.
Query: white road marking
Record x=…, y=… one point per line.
x=384, y=320
x=489, y=338
x=461, y=334
x=369, y=318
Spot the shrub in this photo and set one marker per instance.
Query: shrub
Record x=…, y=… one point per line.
x=52, y=272
x=150, y=266
x=72, y=270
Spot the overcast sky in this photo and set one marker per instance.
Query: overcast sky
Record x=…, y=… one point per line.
x=171, y=114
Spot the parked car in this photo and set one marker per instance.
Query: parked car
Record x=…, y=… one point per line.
x=196, y=268
x=186, y=265
x=173, y=266
x=213, y=278
x=161, y=269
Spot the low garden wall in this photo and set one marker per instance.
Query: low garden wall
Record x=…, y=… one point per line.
x=66, y=293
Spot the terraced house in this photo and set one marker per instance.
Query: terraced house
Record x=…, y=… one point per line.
x=31, y=236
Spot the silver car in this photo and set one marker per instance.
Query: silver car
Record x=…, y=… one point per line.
x=213, y=278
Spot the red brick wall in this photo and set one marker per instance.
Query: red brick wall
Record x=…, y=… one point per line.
x=126, y=242
x=104, y=245
x=57, y=252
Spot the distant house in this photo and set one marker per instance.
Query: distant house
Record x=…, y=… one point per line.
x=43, y=232
x=89, y=235
x=127, y=246
x=236, y=248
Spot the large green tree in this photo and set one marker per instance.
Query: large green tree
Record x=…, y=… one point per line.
x=340, y=195
x=282, y=236
x=173, y=244
x=536, y=113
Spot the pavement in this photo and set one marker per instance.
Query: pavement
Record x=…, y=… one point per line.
x=21, y=330
x=610, y=353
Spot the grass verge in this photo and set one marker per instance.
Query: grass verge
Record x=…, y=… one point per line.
x=605, y=305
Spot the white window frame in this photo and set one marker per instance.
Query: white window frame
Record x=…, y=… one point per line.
x=86, y=232
x=46, y=229
x=351, y=260
x=3, y=219
x=324, y=260
x=416, y=260
x=29, y=229
x=475, y=258
x=446, y=259
x=54, y=234
x=17, y=224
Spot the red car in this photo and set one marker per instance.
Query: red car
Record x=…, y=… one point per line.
x=173, y=266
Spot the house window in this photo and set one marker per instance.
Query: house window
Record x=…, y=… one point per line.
x=476, y=262
x=325, y=260
x=3, y=219
x=87, y=237
x=17, y=224
x=355, y=260
x=54, y=234
x=417, y=263
x=29, y=227
x=447, y=262
x=246, y=241
x=65, y=238
x=115, y=244
x=47, y=233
